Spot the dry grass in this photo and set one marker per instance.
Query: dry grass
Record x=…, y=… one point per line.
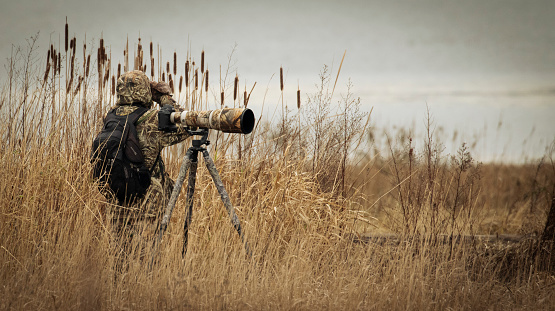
x=302, y=188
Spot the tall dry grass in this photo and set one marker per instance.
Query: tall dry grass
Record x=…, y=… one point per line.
x=303, y=186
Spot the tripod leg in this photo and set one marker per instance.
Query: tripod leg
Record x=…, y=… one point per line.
x=189, y=203
x=225, y=197
x=175, y=193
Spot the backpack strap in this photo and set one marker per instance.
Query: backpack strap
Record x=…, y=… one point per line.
x=135, y=115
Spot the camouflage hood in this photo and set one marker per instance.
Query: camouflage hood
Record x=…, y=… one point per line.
x=134, y=88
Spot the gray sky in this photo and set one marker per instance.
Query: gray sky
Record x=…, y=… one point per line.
x=452, y=55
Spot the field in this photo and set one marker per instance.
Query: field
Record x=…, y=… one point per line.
x=335, y=218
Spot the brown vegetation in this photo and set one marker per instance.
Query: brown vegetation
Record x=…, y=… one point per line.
x=303, y=186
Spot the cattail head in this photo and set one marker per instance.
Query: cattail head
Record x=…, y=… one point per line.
x=298, y=99
x=47, y=71
x=187, y=73
x=163, y=77
x=180, y=83
x=88, y=65
x=174, y=63
x=78, y=86
x=152, y=68
x=222, y=98
x=235, y=87
x=206, y=82
x=281, y=78
x=66, y=34
x=59, y=62
x=168, y=67
x=196, y=79
x=202, y=61
x=119, y=70
x=113, y=85
x=151, y=49
x=171, y=83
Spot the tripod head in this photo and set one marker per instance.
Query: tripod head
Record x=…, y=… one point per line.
x=197, y=143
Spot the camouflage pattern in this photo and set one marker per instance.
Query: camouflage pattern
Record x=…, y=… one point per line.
x=159, y=89
x=229, y=120
x=133, y=87
x=151, y=142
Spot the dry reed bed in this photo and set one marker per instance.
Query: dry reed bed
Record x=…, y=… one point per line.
x=299, y=206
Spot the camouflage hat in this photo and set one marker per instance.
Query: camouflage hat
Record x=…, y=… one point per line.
x=134, y=88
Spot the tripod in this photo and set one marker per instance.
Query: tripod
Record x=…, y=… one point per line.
x=190, y=164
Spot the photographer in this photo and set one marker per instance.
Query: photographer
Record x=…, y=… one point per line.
x=135, y=96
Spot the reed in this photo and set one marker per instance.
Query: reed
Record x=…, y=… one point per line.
x=317, y=213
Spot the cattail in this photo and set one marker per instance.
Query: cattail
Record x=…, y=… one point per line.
x=74, y=46
x=119, y=70
x=48, y=58
x=47, y=71
x=163, y=77
x=70, y=44
x=196, y=79
x=180, y=83
x=174, y=63
x=59, y=62
x=281, y=78
x=107, y=74
x=52, y=52
x=151, y=49
x=298, y=98
x=88, y=65
x=55, y=61
x=202, y=61
x=171, y=82
x=152, y=67
x=235, y=87
x=72, y=65
x=78, y=86
x=68, y=87
x=187, y=73
x=144, y=68
x=206, y=82
x=99, y=59
x=168, y=67
x=113, y=85
x=222, y=101
x=66, y=34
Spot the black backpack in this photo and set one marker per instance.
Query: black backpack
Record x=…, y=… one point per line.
x=118, y=162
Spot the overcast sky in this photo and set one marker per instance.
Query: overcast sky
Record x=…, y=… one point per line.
x=401, y=55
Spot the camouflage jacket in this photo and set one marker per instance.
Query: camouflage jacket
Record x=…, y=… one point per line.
x=152, y=140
